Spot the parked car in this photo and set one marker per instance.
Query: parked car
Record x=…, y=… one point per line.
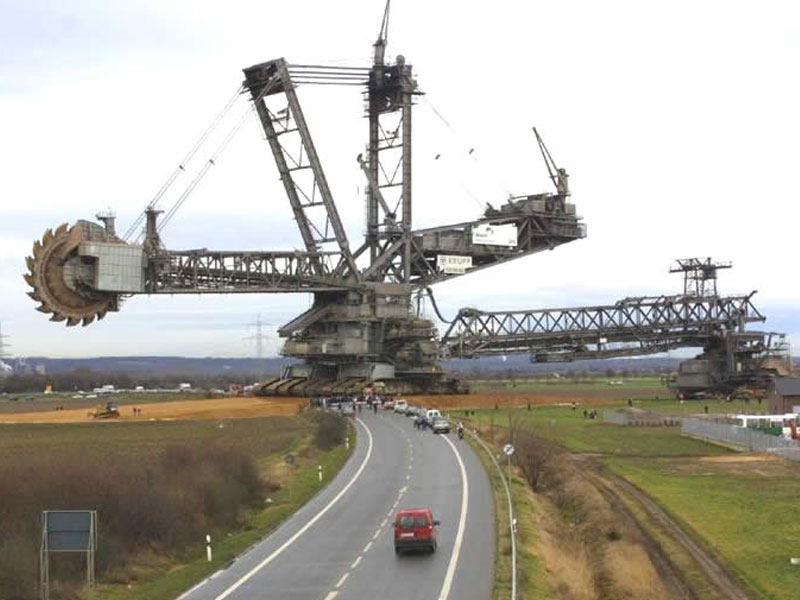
x=415, y=529
x=400, y=406
x=440, y=425
x=388, y=404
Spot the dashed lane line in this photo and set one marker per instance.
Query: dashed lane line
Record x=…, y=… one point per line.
x=307, y=526
x=342, y=580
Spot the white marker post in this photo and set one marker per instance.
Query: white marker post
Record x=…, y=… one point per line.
x=208, y=547
x=319, y=472
x=347, y=442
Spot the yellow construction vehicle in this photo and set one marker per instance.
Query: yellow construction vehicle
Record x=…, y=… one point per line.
x=107, y=411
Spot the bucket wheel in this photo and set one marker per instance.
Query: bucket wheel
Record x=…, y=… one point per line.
x=59, y=276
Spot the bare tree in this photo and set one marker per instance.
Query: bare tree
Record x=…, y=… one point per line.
x=534, y=455
x=515, y=419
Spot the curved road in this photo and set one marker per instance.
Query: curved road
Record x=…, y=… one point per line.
x=340, y=544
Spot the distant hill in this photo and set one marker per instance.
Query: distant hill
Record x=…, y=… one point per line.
x=160, y=365
x=177, y=365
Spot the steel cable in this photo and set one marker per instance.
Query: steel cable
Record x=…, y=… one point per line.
x=182, y=165
x=212, y=161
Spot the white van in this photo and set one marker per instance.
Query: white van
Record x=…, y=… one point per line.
x=400, y=406
x=432, y=414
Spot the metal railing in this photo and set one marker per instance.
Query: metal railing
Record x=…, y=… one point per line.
x=511, y=520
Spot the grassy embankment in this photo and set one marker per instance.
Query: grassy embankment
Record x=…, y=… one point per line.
x=107, y=453
x=531, y=577
x=741, y=508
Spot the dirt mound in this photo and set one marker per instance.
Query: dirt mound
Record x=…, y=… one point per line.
x=218, y=408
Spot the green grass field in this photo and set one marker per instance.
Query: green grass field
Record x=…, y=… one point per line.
x=566, y=383
x=34, y=402
x=571, y=429
x=745, y=512
x=257, y=436
x=743, y=509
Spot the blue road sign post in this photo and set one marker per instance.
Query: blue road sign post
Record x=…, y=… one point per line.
x=67, y=531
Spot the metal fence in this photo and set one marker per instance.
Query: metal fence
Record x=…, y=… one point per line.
x=741, y=436
x=618, y=417
x=790, y=453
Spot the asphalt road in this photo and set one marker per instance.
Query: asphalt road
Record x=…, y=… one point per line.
x=340, y=544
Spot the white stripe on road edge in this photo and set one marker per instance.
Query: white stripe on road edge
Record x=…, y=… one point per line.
x=355, y=563
x=331, y=595
x=305, y=528
x=343, y=579
x=367, y=547
x=451, y=568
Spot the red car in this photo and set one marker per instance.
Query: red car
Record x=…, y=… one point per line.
x=414, y=529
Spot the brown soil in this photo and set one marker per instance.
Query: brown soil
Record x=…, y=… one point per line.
x=227, y=408
x=741, y=458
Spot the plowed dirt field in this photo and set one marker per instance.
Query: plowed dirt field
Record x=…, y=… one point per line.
x=220, y=408
x=249, y=407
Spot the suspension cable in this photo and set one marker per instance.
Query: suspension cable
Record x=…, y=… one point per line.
x=212, y=161
x=182, y=165
x=470, y=152
x=209, y=163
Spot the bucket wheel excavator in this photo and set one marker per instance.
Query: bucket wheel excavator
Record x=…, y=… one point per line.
x=361, y=327
x=57, y=272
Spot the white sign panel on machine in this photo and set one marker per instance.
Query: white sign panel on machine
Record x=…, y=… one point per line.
x=456, y=265
x=495, y=235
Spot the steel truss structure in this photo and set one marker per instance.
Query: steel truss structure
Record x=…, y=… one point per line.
x=631, y=327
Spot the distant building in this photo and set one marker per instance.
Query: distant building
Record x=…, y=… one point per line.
x=784, y=395
x=39, y=369
x=5, y=369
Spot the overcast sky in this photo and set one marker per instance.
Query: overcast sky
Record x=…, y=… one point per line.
x=678, y=123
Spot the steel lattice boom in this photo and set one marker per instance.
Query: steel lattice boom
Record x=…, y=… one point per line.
x=629, y=327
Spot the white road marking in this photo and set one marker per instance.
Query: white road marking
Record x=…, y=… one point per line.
x=377, y=533
x=305, y=528
x=331, y=595
x=355, y=563
x=384, y=522
x=451, y=567
x=366, y=548
x=343, y=579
